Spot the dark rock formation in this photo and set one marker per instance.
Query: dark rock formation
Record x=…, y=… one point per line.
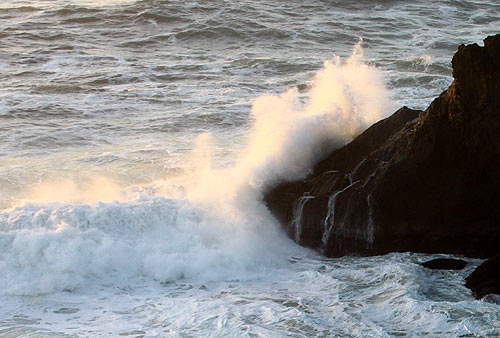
x=485, y=279
x=445, y=264
x=416, y=181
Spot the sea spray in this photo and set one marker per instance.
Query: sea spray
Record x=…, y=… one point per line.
x=218, y=228
x=291, y=132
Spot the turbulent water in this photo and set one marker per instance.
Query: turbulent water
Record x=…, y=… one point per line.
x=137, y=139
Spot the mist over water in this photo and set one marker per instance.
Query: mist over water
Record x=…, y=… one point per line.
x=137, y=138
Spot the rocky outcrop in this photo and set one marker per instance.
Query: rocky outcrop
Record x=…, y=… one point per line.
x=417, y=181
x=485, y=279
x=445, y=264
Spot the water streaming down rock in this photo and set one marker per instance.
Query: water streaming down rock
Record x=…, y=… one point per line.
x=330, y=217
x=428, y=181
x=295, y=226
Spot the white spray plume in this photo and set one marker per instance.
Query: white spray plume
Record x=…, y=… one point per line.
x=290, y=133
x=222, y=230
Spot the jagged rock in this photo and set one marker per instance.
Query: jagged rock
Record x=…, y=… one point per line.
x=445, y=264
x=485, y=279
x=416, y=181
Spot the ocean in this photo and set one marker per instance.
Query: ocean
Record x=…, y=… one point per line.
x=137, y=139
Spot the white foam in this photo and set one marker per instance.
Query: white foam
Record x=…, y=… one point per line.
x=53, y=247
x=381, y=296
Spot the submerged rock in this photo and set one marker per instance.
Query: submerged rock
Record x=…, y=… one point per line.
x=445, y=264
x=485, y=279
x=417, y=181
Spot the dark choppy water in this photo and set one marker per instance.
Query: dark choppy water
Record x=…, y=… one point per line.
x=115, y=117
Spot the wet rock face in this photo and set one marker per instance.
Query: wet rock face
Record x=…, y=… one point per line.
x=416, y=181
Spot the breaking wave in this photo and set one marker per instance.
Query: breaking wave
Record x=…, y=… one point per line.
x=215, y=227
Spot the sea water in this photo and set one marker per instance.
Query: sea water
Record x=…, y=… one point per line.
x=137, y=139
